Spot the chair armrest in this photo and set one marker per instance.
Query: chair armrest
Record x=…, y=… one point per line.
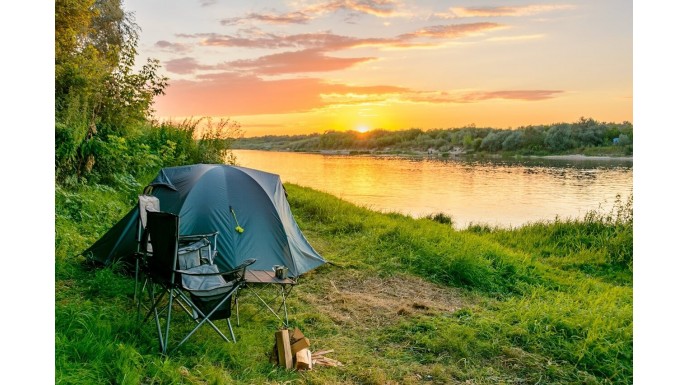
x=243, y=266
x=185, y=272
x=191, y=237
x=239, y=272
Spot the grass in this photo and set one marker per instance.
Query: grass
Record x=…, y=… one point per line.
x=404, y=301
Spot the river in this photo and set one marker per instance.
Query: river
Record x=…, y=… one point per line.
x=498, y=192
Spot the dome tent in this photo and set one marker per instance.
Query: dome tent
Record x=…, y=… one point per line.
x=224, y=198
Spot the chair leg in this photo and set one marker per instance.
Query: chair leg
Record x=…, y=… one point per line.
x=206, y=318
x=136, y=277
x=184, y=302
x=168, y=321
x=154, y=311
x=236, y=306
x=231, y=331
x=140, y=293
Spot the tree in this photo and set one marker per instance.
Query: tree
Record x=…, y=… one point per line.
x=98, y=94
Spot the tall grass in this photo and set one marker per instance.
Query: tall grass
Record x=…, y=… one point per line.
x=558, y=310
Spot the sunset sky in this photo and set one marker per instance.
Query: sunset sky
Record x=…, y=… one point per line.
x=295, y=67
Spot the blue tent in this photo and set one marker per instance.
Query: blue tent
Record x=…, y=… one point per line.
x=202, y=195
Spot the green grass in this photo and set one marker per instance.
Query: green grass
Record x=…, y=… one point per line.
x=404, y=301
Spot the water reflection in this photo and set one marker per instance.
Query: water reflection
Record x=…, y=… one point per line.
x=495, y=191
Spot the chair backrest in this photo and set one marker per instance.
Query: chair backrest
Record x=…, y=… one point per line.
x=163, y=229
x=147, y=203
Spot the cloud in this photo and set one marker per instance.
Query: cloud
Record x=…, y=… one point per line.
x=378, y=8
x=326, y=41
x=312, y=48
x=185, y=65
x=515, y=11
x=529, y=95
x=285, y=18
x=231, y=94
x=235, y=94
x=172, y=47
x=310, y=60
x=452, y=31
x=516, y=38
x=206, y=3
x=257, y=39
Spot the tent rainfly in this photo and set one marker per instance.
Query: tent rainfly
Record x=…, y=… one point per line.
x=228, y=199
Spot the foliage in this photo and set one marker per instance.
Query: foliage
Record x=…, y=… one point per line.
x=556, y=138
x=104, y=132
x=440, y=218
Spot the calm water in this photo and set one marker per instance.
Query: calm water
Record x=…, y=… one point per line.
x=498, y=192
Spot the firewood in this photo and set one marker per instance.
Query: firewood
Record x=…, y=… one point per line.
x=284, y=349
x=300, y=345
x=303, y=360
x=295, y=335
x=322, y=352
x=324, y=361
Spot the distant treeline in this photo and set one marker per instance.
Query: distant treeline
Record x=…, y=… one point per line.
x=586, y=135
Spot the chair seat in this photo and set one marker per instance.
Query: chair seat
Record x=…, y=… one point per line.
x=208, y=290
x=205, y=285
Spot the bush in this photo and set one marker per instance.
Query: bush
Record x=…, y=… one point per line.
x=440, y=218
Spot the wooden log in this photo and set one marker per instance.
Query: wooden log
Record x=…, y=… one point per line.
x=300, y=345
x=284, y=349
x=303, y=360
x=322, y=352
x=295, y=335
x=326, y=361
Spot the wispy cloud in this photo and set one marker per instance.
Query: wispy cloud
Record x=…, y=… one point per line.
x=258, y=39
x=207, y=3
x=515, y=11
x=186, y=65
x=270, y=18
x=309, y=51
x=529, y=95
x=440, y=97
x=233, y=94
x=326, y=41
x=452, y=31
x=516, y=38
x=172, y=47
x=226, y=94
x=310, y=60
x=377, y=8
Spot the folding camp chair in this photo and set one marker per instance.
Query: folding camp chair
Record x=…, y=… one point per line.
x=192, y=247
x=201, y=291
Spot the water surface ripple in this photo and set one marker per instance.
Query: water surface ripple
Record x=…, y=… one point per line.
x=506, y=193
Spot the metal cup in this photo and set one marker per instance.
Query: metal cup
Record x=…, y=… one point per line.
x=280, y=271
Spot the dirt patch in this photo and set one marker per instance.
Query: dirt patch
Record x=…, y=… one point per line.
x=359, y=300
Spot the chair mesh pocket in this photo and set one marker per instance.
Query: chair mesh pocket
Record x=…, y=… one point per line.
x=207, y=304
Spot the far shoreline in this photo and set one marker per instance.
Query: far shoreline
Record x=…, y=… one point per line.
x=585, y=157
x=568, y=157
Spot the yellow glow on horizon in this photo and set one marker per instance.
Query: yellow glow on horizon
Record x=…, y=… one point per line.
x=401, y=115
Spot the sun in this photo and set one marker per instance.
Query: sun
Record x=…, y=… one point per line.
x=362, y=129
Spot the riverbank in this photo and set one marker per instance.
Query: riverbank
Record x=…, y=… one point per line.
x=585, y=157
x=454, y=155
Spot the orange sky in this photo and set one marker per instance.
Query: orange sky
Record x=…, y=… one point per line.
x=296, y=67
